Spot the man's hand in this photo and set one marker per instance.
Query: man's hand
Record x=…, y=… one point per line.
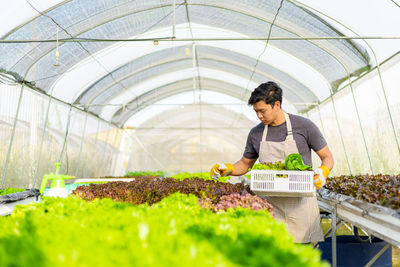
x=221, y=169
x=321, y=173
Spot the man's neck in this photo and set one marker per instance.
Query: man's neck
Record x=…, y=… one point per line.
x=279, y=119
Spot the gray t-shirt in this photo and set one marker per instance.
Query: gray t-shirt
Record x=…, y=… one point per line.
x=305, y=133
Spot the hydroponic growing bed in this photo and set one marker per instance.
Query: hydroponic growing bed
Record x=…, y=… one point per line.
x=369, y=202
x=193, y=222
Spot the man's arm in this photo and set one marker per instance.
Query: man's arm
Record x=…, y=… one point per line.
x=322, y=172
x=242, y=166
x=326, y=157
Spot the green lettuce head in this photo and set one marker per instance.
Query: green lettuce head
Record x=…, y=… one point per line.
x=295, y=162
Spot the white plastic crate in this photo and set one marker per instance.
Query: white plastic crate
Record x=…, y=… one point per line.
x=282, y=183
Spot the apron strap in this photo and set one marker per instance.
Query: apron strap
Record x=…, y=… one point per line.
x=264, y=137
x=289, y=128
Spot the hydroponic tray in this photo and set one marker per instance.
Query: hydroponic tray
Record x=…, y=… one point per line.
x=8, y=202
x=379, y=221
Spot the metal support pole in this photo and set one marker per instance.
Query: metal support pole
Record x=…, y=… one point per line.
x=41, y=142
x=350, y=228
x=377, y=66
x=105, y=146
x=180, y=157
x=95, y=140
x=172, y=39
x=97, y=133
x=173, y=19
x=66, y=135
x=362, y=129
x=376, y=257
x=80, y=148
x=194, y=72
x=341, y=135
x=12, y=137
x=134, y=137
x=338, y=224
x=115, y=160
x=320, y=119
x=334, y=219
x=386, y=101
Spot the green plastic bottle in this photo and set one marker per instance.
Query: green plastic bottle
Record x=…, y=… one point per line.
x=57, y=188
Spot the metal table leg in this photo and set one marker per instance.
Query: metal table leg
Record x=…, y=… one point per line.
x=334, y=227
x=374, y=259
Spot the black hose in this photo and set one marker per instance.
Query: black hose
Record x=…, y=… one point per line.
x=364, y=239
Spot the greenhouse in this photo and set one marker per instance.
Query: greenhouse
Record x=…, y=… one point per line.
x=142, y=133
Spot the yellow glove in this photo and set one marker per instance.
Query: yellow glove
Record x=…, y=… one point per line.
x=221, y=169
x=321, y=173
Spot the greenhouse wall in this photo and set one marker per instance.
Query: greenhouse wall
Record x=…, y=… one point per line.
x=47, y=131
x=193, y=150
x=369, y=139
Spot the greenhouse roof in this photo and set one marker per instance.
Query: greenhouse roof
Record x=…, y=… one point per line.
x=118, y=58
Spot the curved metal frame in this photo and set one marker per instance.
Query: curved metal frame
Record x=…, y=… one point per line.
x=237, y=11
x=122, y=115
x=225, y=60
x=293, y=96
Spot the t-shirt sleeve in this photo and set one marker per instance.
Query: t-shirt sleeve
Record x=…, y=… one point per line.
x=316, y=140
x=249, y=151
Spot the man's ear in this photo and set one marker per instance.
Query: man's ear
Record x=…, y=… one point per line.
x=277, y=104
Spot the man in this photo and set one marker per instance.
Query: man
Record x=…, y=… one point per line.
x=278, y=135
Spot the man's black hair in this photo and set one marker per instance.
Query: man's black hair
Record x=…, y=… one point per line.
x=270, y=92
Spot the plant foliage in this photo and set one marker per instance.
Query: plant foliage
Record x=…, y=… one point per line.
x=174, y=232
x=10, y=190
x=293, y=162
x=233, y=201
x=145, y=173
x=279, y=166
x=150, y=191
x=203, y=175
x=379, y=189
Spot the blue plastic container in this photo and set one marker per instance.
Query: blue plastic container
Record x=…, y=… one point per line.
x=351, y=253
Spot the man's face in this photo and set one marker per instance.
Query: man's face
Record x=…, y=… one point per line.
x=265, y=112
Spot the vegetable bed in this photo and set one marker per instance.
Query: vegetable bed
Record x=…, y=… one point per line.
x=383, y=190
x=144, y=190
x=173, y=232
